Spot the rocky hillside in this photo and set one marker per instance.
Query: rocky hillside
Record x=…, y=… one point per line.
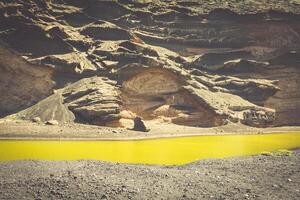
x=195, y=63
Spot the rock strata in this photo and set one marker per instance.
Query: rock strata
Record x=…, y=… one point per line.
x=189, y=63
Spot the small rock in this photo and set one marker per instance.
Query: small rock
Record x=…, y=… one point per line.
x=289, y=180
x=266, y=153
x=52, y=122
x=53, y=192
x=36, y=119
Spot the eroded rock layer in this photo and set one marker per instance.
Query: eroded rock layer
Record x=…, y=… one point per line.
x=187, y=62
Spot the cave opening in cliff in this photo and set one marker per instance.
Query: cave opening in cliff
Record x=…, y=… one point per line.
x=158, y=94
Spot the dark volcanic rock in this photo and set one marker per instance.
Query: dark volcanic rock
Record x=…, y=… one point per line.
x=105, y=31
x=139, y=125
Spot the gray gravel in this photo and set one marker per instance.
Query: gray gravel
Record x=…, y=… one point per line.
x=258, y=177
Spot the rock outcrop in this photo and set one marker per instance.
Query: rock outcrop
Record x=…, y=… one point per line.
x=189, y=63
x=92, y=100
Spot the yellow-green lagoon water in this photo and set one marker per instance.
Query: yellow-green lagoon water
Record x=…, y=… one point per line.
x=166, y=151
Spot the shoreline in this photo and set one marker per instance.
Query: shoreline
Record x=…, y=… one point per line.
x=25, y=130
x=155, y=137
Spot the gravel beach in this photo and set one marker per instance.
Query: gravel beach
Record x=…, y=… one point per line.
x=258, y=177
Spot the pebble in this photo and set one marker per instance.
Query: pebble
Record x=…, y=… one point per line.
x=36, y=119
x=52, y=122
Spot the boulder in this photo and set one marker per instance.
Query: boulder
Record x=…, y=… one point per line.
x=139, y=125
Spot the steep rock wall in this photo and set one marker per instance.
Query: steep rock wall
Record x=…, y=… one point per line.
x=21, y=83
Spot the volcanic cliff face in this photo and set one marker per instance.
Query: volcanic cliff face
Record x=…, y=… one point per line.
x=195, y=63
